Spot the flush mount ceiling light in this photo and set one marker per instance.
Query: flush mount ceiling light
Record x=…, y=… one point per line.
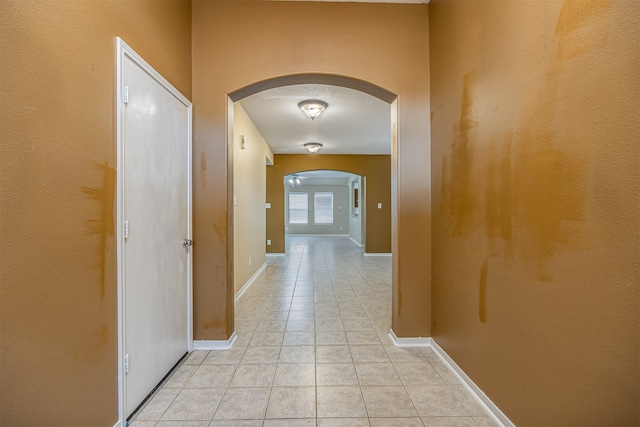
x=313, y=107
x=313, y=147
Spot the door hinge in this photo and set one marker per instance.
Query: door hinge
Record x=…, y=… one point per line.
x=125, y=95
x=126, y=229
x=126, y=363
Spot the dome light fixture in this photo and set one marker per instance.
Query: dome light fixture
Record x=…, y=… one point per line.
x=313, y=107
x=313, y=147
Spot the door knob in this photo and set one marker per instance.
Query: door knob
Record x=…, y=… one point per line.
x=187, y=243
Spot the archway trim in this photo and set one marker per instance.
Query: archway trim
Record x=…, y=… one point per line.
x=315, y=78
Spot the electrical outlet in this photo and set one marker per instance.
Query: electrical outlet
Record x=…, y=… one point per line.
x=379, y=205
x=249, y=260
x=268, y=242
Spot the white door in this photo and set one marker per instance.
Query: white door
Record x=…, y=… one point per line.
x=156, y=220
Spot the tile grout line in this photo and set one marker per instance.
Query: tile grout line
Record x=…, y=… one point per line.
x=363, y=287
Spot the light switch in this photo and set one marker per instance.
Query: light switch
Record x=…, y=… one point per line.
x=235, y=200
x=379, y=205
x=268, y=205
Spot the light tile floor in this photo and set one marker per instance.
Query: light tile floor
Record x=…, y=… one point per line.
x=313, y=350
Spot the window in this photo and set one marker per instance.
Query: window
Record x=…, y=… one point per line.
x=323, y=208
x=298, y=208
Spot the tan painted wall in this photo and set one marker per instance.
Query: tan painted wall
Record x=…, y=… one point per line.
x=250, y=183
x=536, y=204
x=377, y=169
x=237, y=44
x=58, y=263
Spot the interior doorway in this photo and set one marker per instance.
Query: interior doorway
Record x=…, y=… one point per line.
x=255, y=100
x=154, y=228
x=321, y=202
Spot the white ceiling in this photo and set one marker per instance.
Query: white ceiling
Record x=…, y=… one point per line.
x=353, y=123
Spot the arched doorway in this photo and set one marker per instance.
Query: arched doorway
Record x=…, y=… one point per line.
x=380, y=169
x=386, y=45
x=325, y=202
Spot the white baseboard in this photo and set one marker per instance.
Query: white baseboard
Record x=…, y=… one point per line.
x=118, y=424
x=215, y=344
x=356, y=242
x=247, y=285
x=498, y=416
x=316, y=235
x=494, y=412
x=276, y=254
x=376, y=254
x=409, y=342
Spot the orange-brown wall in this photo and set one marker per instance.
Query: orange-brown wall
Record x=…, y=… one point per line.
x=376, y=169
x=58, y=154
x=237, y=44
x=535, y=163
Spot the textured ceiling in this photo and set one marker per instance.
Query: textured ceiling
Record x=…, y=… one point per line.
x=353, y=123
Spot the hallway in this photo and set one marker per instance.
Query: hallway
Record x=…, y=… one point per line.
x=313, y=349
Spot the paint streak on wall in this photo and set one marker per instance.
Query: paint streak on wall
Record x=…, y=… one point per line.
x=582, y=26
x=104, y=225
x=220, y=227
x=203, y=169
x=554, y=171
x=550, y=187
x=59, y=273
x=550, y=175
x=91, y=350
x=444, y=185
x=498, y=198
x=461, y=193
x=482, y=308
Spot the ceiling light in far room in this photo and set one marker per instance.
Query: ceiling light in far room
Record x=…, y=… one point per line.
x=294, y=180
x=313, y=147
x=313, y=107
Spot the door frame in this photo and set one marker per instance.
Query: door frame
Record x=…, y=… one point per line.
x=124, y=51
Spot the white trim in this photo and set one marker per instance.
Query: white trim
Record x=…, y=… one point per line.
x=276, y=254
x=119, y=227
x=376, y=254
x=409, y=342
x=316, y=235
x=482, y=399
x=246, y=286
x=356, y=242
x=215, y=344
x=380, y=1
x=123, y=50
